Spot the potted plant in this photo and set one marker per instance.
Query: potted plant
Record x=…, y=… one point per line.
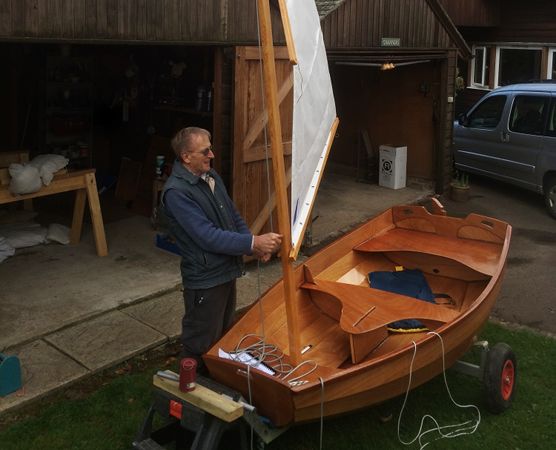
x=459, y=187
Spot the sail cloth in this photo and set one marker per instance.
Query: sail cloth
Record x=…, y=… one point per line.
x=314, y=112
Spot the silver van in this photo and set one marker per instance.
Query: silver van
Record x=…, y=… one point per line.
x=510, y=135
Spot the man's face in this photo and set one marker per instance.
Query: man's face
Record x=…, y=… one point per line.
x=197, y=158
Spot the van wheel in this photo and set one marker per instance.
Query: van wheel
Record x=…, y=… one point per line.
x=550, y=195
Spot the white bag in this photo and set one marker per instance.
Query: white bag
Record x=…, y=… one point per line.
x=25, y=179
x=47, y=165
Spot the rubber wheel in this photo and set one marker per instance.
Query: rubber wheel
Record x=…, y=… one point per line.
x=500, y=378
x=550, y=195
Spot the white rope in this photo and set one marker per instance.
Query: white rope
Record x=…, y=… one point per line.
x=264, y=108
x=272, y=356
x=453, y=431
x=250, y=400
x=321, y=411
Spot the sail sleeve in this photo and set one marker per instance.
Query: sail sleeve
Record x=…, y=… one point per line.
x=314, y=112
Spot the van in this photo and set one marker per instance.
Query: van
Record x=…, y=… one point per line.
x=510, y=135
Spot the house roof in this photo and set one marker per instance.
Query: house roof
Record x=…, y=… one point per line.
x=325, y=7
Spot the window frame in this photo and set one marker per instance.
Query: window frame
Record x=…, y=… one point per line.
x=550, y=63
x=497, y=65
x=484, y=83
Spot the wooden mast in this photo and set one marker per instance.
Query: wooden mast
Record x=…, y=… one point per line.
x=280, y=187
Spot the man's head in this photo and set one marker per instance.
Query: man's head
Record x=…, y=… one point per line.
x=193, y=148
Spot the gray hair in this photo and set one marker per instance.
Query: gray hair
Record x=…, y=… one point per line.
x=183, y=139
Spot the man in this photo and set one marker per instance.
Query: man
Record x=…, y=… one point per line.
x=212, y=238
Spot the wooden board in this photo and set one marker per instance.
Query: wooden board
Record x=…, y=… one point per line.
x=251, y=182
x=479, y=255
x=212, y=402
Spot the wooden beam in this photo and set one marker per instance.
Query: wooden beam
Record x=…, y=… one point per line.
x=292, y=54
x=275, y=132
x=206, y=399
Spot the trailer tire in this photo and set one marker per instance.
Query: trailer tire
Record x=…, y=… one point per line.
x=500, y=378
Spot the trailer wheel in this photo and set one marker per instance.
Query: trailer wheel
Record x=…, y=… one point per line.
x=500, y=378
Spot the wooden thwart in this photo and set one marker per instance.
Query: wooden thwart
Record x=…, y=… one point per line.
x=479, y=255
x=364, y=312
x=212, y=402
x=84, y=183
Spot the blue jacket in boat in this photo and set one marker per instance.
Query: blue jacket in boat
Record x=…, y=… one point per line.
x=210, y=233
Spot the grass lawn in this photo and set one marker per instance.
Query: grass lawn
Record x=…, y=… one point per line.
x=108, y=415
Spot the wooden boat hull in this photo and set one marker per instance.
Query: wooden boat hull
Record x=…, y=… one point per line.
x=358, y=363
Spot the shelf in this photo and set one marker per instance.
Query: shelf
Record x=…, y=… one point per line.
x=68, y=109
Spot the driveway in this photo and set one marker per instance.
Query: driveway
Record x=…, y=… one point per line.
x=528, y=290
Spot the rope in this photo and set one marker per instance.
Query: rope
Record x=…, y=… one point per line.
x=271, y=355
x=455, y=430
x=321, y=411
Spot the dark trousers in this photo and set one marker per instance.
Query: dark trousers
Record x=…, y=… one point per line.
x=208, y=313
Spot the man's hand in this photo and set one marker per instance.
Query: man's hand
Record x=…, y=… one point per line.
x=266, y=244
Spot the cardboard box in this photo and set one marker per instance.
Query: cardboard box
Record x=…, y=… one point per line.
x=392, y=166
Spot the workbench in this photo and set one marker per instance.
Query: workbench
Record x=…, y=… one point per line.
x=84, y=183
x=198, y=419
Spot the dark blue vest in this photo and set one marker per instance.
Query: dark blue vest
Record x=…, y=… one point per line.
x=201, y=269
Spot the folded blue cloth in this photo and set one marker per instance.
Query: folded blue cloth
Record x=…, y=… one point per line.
x=411, y=283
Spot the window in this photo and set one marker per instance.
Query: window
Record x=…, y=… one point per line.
x=488, y=113
x=551, y=123
x=518, y=65
x=481, y=66
x=527, y=114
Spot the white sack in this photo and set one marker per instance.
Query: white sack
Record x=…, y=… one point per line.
x=24, y=234
x=25, y=179
x=47, y=165
x=6, y=250
x=58, y=233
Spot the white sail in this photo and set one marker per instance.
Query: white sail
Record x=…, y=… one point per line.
x=314, y=111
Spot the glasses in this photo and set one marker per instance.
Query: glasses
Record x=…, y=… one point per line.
x=205, y=151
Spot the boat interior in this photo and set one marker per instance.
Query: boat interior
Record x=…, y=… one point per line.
x=344, y=322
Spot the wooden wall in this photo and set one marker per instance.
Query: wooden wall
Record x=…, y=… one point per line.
x=473, y=13
x=528, y=21
x=199, y=21
x=516, y=20
x=362, y=23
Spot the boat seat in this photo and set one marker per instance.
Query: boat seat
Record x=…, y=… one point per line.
x=363, y=312
x=478, y=255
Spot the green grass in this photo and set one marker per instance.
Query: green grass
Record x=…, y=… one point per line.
x=109, y=417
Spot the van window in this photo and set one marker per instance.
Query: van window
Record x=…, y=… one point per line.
x=488, y=113
x=551, y=123
x=527, y=114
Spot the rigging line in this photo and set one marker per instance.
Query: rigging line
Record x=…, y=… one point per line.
x=267, y=164
x=460, y=429
x=250, y=399
x=321, y=411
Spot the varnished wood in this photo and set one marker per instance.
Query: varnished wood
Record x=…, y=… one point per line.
x=365, y=309
x=275, y=132
x=480, y=256
x=344, y=321
x=288, y=32
x=206, y=399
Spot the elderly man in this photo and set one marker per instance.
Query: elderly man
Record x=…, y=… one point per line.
x=212, y=238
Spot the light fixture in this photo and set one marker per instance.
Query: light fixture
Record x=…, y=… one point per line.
x=387, y=66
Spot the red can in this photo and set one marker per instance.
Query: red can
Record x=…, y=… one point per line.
x=188, y=374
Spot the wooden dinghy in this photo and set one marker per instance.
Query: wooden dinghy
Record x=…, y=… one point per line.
x=349, y=359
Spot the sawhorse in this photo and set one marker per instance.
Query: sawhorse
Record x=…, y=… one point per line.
x=198, y=419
